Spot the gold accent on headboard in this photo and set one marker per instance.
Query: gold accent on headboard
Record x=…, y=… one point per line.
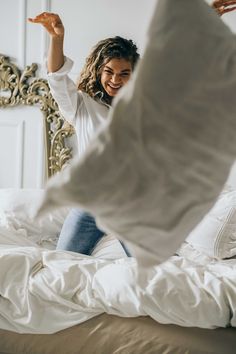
x=21, y=87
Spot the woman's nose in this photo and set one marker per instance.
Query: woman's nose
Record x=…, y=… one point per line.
x=115, y=78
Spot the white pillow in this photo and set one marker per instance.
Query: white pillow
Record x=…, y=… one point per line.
x=158, y=166
x=215, y=235
x=17, y=207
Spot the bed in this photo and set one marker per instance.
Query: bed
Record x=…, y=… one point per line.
x=44, y=311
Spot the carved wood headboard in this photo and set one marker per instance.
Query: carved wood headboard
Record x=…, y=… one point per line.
x=22, y=87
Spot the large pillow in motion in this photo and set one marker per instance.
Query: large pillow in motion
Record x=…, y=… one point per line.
x=157, y=167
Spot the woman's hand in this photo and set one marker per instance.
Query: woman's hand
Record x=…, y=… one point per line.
x=223, y=6
x=51, y=22
x=55, y=28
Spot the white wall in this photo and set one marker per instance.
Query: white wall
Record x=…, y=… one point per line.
x=86, y=22
x=21, y=148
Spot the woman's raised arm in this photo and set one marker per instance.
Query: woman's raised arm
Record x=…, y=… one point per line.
x=54, y=26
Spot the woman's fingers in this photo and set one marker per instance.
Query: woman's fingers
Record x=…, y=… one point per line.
x=229, y=9
x=34, y=20
x=219, y=3
x=45, y=17
x=50, y=21
x=224, y=6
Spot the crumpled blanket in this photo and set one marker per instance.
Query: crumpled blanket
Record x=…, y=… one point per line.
x=44, y=291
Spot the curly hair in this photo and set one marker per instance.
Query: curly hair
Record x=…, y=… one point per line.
x=105, y=50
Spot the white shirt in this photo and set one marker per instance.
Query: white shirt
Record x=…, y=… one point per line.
x=77, y=107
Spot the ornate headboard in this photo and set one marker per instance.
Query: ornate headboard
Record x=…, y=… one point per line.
x=21, y=87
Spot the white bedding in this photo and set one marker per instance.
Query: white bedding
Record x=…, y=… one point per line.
x=44, y=291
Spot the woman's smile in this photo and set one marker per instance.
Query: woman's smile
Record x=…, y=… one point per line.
x=115, y=74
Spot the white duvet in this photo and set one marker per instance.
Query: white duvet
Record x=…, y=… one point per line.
x=44, y=291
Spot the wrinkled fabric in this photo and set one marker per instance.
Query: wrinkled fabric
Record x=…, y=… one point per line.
x=161, y=161
x=45, y=291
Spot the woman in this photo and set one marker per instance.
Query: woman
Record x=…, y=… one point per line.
x=107, y=69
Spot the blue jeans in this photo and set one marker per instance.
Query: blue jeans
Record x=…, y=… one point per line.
x=80, y=233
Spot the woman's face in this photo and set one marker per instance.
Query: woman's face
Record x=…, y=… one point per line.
x=115, y=74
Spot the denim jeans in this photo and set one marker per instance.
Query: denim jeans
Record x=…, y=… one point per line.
x=80, y=233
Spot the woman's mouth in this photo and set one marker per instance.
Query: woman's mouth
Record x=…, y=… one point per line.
x=114, y=87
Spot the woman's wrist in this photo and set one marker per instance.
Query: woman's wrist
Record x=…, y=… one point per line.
x=56, y=54
x=57, y=38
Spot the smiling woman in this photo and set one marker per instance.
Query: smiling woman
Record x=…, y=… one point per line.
x=32, y=49
x=107, y=69
x=115, y=74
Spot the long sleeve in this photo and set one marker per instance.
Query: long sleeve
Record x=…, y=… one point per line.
x=77, y=107
x=65, y=91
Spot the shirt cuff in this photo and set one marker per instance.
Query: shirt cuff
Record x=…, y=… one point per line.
x=65, y=69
